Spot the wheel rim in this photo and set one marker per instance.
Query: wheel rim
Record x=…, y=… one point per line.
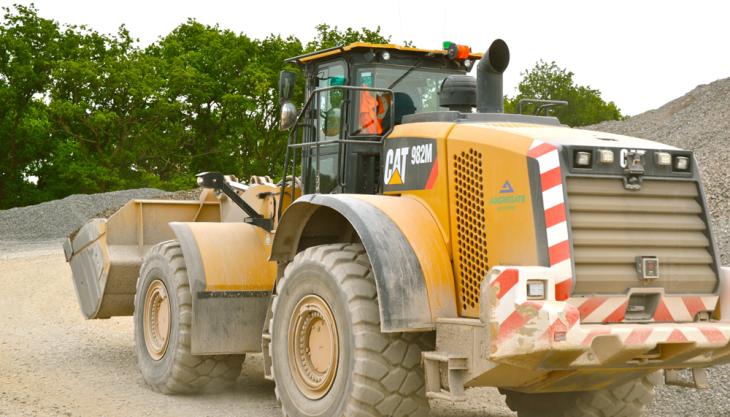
x=313, y=347
x=156, y=322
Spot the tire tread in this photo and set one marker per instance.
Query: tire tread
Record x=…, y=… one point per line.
x=190, y=373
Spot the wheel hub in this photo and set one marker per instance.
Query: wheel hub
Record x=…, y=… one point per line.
x=313, y=347
x=156, y=321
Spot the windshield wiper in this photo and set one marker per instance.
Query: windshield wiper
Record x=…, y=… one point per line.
x=405, y=74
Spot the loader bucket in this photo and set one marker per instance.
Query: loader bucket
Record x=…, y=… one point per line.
x=105, y=254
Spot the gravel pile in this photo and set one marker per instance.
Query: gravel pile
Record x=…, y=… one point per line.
x=56, y=219
x=699, y=121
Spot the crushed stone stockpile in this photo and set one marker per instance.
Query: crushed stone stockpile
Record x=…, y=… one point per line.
x=57, y=219
x=700, y=122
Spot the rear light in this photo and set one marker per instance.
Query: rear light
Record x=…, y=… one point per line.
x=663, y=158
x=605, y=156
x=681, y=163
x=535, y=289
x=583, y=159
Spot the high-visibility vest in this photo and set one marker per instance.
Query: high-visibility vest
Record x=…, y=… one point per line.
x=372, y=112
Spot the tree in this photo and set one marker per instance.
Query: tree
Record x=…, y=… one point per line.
x=329, y=36
x=84, y=112
x=102, y=103
x=28, y=55
x=547, y=81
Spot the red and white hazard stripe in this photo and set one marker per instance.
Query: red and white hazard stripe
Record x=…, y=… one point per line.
x=669, y=309
x=707, y=334
x=551, y=179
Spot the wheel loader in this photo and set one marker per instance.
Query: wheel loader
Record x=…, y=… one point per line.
x=418, y=242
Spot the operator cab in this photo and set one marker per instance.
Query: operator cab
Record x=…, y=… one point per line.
x=356, y=94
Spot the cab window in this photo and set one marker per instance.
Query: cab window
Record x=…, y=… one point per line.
x=330, y=102
x=329, y=109
x=415, y=92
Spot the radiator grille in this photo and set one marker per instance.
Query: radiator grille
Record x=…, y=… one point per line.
x=470, y=228
x=612, y=226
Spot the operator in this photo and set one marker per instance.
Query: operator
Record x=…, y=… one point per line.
x=372, y=112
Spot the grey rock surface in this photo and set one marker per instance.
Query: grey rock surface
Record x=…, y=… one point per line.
x=58, y=218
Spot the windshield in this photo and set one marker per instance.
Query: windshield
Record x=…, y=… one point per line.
x=417, y=92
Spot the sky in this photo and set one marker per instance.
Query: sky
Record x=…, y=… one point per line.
x=639, y=54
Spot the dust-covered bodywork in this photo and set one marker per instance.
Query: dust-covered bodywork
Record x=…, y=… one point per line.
x=544, y=259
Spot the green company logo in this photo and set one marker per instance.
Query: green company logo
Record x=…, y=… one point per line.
x=507, y=199
x=507, y=202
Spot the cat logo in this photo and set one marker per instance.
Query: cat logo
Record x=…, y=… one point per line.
x=409, y=164
x=395, y=166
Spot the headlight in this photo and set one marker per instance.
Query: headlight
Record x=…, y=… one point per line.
x=583, y=159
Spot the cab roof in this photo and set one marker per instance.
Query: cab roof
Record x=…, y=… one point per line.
x=340, y=50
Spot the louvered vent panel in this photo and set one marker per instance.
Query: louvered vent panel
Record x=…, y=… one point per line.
x=471, y=231
x=613, y=226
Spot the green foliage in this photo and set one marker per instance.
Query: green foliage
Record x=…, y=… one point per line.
x=29, y=52
x=547, y=81
x=330, y=36
x=83, y=112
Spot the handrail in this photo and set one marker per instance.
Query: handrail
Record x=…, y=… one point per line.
x=291, y=140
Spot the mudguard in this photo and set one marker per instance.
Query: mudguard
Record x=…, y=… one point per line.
x=231, y=280
x=405, y=245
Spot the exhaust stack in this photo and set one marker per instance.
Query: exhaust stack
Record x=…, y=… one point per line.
x=490, y=96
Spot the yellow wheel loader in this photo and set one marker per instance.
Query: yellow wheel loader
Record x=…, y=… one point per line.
x=421, y=241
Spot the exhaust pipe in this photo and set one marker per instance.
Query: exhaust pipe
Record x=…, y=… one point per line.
x=490, y=95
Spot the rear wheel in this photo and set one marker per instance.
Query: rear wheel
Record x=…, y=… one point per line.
x=623, y=400
x=162, y=315
x=329, y=357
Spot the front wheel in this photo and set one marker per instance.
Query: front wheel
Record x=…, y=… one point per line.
x=623, y=400
x=329, y=357
x=162, y=315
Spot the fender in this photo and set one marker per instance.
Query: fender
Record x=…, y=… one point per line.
x=409, y=256
x=231, y=280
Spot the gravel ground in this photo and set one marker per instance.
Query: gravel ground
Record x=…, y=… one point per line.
x=55, y=363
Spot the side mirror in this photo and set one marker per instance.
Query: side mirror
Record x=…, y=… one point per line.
x=287, y=79
x=288, y=115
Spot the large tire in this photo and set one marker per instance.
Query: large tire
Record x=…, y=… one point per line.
x=168, y=366
x=623, y=400
x=376, y=374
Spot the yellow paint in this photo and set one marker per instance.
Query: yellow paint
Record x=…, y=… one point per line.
x=235, y=256
x=380, y=46
x=419, y=227
x=395, y=179
x=436, y=199
x=509, y=227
